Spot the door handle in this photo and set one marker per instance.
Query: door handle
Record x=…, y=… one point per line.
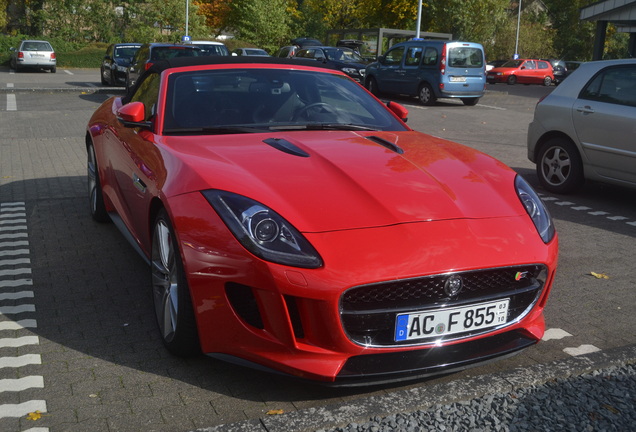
x=585, y=109
x=139, y=184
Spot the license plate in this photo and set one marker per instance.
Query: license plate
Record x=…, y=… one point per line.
x=457, y=79
x=444, y=322
x=37, y=55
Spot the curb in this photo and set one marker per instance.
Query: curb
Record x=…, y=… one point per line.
x=424, y=397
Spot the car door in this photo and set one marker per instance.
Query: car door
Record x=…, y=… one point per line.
x=390, y=72
x=137, y=164
x=408, y=81
x=527, y=72
x=603, y=117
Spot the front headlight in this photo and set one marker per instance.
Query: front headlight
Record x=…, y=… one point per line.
x=350, y=71
x=536, y=209
x=262, y=231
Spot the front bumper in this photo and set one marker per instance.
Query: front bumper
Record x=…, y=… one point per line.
x=291, y=320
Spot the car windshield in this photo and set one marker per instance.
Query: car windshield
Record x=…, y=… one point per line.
x=465, y=57
x=512, y=64
x=168, y=52
x=126, y=52
x=343, y=54
x=36, y=46
x=262, y=100
x=213, y=50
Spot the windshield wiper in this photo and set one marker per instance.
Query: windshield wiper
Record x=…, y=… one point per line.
x=325, y=126
x=216, y=130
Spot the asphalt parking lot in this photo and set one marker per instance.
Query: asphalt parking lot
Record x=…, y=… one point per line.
x=75, y=302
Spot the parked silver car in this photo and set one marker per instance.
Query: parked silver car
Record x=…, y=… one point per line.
x=584, y=129
x=36, y=54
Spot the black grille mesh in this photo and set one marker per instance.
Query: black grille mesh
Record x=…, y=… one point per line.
x=368, y=312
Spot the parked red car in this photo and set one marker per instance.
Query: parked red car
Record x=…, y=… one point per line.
x=522, y=71
x=293, y=222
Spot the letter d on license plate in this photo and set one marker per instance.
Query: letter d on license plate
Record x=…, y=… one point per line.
x=443, y=322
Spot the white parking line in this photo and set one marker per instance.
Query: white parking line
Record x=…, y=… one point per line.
x=19, y=342
x=21, y=384
x=580, y=350
x=68, y=72
x=589, y=210
x=17, y=325
x=20, y=361
x=16, y=296
x=554, y=333
x=12, y=105
x=23, y=409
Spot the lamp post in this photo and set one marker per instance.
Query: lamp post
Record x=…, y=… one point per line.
x=187, y=16
x=516, y=55
x=419, y=19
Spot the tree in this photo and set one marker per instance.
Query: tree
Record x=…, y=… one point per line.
x=265, y=23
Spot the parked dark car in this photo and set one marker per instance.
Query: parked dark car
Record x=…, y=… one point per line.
x=250, y=52
x=571, y=66
x=212, y=48
x=116, y=62
x=152, y=52
x=559, y=70
x=341, y=58
x=287, y=51
x=304, y=42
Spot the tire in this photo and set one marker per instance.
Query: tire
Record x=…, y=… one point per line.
x=426, y=95
x=559, y=166
x=95, y=196
x=547, y=81
x=170, y=292
x=53, y=69
x=104, y=81
x=512, y=80
x=372, y=86
x=470, y=101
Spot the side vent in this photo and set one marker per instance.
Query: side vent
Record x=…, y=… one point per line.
x=386, y=144
x=244, y=303
x=286, y=147
x=294, y=315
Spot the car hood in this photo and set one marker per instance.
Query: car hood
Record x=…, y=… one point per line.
x=325, y=181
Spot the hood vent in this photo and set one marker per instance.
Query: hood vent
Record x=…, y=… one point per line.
x=286, y=147
x=385, y=143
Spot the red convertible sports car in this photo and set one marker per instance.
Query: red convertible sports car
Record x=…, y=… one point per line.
x=293, y=222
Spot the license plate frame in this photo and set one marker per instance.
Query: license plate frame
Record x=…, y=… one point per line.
x=458, y=79
x=444, y=322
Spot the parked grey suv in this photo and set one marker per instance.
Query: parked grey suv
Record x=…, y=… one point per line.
x=35, y=54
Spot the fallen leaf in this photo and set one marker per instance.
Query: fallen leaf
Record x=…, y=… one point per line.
x=275, y=412
x=599, y=275
x=610, y=408
x=34, y=415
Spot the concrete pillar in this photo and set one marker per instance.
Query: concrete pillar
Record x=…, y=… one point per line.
x=599, y=40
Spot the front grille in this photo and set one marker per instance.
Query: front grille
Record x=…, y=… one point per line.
x=368, y=312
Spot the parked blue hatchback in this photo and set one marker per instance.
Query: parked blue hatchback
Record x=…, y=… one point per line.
x=430, y=69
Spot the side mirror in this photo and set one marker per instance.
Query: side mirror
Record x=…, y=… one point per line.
x=398, y=110
x=133, y=115
x=381, y=59
x=12, y=49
